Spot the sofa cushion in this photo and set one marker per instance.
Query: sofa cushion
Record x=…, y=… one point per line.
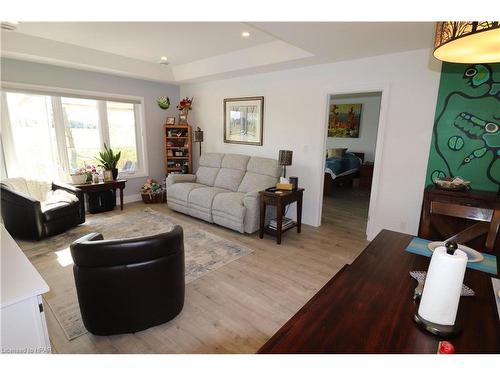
x=254, y=181
x=200, y=202
x=228, y=210
x=261, y=174
x=203, y=197
x=229, y=179
x=180, y=192
x=232, y=170
x=213, y=160
x=235, y=161
x=230, y=203
x=209, y=167
x=265, y=166
x=206, y=175
x=61, y=210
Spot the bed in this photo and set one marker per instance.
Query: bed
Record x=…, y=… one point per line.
x=339, y=171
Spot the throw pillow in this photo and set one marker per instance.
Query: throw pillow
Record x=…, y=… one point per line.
x=336, y=152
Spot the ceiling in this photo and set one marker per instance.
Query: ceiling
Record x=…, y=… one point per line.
x=200, y=51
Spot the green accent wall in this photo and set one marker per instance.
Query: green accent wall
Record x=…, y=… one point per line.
x=466, y=134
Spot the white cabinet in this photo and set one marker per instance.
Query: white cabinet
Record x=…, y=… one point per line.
x=23, y=328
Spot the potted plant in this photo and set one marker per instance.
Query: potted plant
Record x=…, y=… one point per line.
x=83, y=175
x=108, y=161
x=152, y=192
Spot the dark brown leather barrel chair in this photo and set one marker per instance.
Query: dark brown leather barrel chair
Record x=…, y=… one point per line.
x=129, y=285
x=23, y=217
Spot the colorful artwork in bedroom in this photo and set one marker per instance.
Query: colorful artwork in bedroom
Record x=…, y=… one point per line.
x=344, y=120
x=466, y=134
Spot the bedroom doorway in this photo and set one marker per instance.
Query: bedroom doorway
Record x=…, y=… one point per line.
x=350, y=149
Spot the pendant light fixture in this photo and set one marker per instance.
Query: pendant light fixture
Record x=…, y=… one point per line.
x=467, y=42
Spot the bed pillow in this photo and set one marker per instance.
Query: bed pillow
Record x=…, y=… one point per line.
x=336, y=152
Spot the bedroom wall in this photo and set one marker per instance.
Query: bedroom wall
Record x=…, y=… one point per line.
x=55, y=76
x=295, y=115
x=370, y=111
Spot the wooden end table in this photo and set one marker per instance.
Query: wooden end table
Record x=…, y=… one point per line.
x=280, y=199
x=106, y=185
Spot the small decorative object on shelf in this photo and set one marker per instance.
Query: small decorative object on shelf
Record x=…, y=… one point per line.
x=152, y=192
x=449, y=183
x=170, y=121
x=183, y=119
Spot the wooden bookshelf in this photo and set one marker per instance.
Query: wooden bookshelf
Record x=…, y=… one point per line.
x=178, y=148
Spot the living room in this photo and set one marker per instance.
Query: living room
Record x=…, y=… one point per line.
x=163, y=186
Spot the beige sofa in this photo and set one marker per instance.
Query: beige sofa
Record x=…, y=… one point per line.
x=224, y=190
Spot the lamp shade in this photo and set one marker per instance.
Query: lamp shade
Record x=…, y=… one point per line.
x=467, y=41
x=198, y=135
x=285, y=157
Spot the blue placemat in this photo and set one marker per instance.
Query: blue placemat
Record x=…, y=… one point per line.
x=419, y=246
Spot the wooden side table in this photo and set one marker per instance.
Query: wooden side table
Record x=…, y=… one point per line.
x=280, y=199
x=366, y=176
x=107, y=185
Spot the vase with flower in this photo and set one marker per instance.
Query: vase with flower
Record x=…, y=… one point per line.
x=185, y=105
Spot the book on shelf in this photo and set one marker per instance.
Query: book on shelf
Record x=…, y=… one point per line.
x=286, y=223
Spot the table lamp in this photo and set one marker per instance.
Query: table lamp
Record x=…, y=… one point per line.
x=198, y=136
x=284, y=159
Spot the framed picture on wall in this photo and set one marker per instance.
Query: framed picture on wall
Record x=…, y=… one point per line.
x=344, y=120
x=244, y=120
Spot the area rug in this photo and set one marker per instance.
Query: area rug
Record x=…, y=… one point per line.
x=204, y=252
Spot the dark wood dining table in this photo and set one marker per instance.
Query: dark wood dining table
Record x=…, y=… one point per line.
x=368, y=307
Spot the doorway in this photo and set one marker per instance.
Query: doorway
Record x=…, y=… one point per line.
x=351, y=129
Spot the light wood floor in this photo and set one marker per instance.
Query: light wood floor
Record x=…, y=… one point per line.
x=238, y=307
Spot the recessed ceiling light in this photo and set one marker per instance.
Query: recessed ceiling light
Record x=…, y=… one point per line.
x=245, y=34
x=164, y=60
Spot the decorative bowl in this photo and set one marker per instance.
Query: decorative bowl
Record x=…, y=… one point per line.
x=456, y=184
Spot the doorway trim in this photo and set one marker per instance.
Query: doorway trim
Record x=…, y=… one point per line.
x=384, y=90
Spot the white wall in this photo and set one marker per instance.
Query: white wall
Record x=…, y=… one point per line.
x=370, y=111
x=295, y=117
x=55, y=76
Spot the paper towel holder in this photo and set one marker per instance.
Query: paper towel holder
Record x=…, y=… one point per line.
x=440, y=330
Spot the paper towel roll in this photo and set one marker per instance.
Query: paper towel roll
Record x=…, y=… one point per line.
x=443, y=284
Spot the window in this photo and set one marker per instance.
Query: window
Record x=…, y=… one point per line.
x=81, y=128
x=32, y=127
x=121, y=122
x=51, y=136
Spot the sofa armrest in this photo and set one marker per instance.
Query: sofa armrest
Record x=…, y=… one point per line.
x=22, y=215
x=67, y=187
x=73, y=190
x=176, y=178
